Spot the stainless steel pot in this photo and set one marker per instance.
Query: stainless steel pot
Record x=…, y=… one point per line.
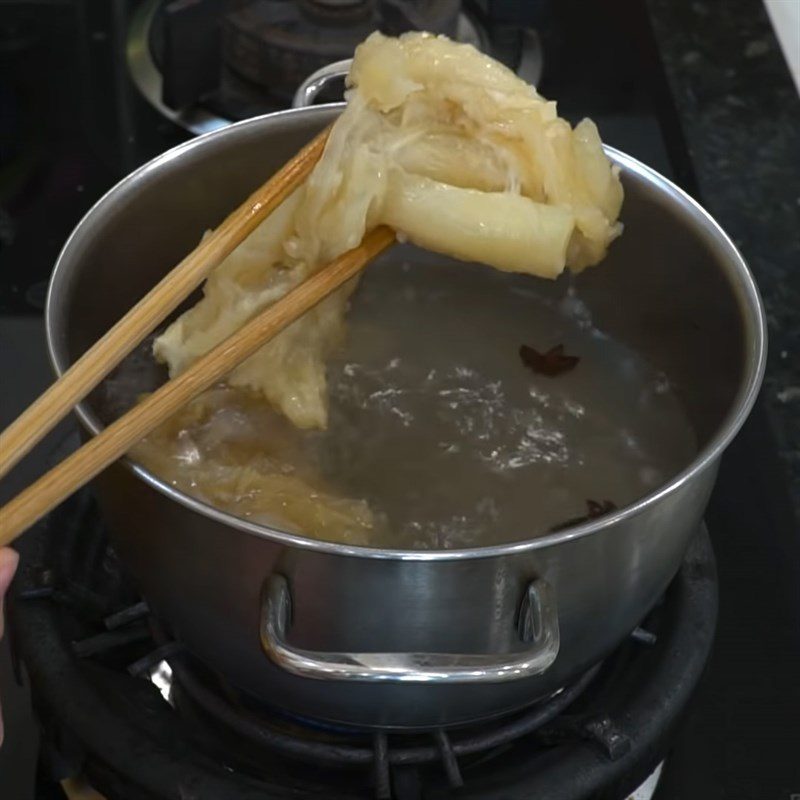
x=399, y=638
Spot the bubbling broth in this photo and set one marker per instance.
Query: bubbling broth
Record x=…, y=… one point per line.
x=439, y=435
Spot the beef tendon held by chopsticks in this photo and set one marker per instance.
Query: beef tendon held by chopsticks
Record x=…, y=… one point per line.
x=443, y=144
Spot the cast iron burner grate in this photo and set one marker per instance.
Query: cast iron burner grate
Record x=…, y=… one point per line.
x=125, y=707
x=342, y=748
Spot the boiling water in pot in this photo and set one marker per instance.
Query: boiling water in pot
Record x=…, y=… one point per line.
x=439, y=435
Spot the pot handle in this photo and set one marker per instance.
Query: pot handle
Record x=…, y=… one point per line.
x=316, y=81
x=538, y=627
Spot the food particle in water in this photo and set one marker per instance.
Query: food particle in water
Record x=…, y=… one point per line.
x=595, y=509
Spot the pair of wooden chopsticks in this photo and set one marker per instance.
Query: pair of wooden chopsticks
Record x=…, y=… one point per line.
x=139, y=322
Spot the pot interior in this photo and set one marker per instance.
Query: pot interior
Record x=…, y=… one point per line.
x=671, y=306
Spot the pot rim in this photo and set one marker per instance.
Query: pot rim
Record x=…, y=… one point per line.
x=754, y=366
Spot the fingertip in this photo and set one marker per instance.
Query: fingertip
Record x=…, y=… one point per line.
x=9, y=559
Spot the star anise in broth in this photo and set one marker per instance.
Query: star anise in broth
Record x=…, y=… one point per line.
x=553, y=362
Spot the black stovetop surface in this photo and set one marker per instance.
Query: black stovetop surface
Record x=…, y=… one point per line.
x=72, y=124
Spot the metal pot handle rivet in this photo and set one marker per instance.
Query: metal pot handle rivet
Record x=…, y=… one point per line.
x=538, y=626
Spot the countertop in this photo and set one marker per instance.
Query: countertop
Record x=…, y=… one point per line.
x=739, y=114
x=730, y=98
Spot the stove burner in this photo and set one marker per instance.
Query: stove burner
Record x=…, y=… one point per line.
x=276, y=45
x=205, y=65
x=342, y=748
x=101, y=671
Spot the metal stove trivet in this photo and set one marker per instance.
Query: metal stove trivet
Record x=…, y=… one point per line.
x=101, y=669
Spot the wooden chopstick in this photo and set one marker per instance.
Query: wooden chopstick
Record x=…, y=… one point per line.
x=41, y=416
x=118, y=438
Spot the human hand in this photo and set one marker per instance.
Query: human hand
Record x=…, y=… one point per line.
x=8, y=566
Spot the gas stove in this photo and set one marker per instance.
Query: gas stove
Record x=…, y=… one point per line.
x=125, y=709
x=205, y=65
x=120, y=705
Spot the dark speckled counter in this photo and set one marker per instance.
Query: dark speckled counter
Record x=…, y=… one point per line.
x=739, y=113
x=734, y=117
